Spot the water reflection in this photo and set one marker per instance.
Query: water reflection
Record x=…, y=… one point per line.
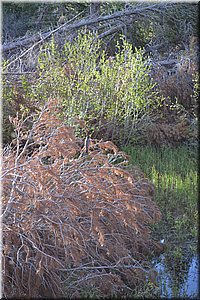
x=190, y=286
x=187, y=287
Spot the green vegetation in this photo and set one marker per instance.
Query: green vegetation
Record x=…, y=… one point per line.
x=112, y=93
x=174, y=174
x=132, y=80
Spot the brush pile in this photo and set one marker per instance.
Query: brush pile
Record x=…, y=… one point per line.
x=171, y=135
x=72, y=223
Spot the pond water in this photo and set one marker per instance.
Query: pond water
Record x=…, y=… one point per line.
x=187, y=285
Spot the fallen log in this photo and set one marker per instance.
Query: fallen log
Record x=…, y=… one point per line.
x=84, y=22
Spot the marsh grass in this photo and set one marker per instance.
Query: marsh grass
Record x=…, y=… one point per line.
x=174, y=174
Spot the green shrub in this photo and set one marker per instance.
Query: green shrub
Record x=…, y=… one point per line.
x=110, y=94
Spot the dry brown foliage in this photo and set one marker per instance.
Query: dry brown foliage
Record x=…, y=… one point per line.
x=72, y=223
x=176, y=84
x=175, y=81
x=170, y=134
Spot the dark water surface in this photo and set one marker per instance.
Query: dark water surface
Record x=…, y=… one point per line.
x=187, y=286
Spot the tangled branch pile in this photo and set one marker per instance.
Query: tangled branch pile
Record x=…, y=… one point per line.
x=71, y=221
x=176, y=76
x=170, y=135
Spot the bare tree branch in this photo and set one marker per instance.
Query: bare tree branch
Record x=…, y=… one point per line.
x=110, y=31
x=37, y=37
x=158, y=7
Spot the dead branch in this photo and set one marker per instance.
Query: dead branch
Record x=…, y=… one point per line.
x=110, y=31
x=166, y=62
x=37, y=37
x=72, y=217
x=85, y=22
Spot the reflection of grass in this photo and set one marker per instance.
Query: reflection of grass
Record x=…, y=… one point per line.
x=174, y=174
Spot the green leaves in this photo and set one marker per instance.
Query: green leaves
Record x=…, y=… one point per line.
x=115, y=90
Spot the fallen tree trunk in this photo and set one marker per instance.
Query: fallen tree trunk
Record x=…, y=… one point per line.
x=36, y=38
x=85, y=22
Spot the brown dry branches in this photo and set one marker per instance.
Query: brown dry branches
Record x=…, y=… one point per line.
x=71, y=221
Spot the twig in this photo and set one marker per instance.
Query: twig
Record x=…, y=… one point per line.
x=118, y=266
x=17, y=73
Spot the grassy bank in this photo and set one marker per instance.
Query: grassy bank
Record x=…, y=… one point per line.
x=174, y=174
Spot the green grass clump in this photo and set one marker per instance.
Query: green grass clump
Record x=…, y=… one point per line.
x=174, y=174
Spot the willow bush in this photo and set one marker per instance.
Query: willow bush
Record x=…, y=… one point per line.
x=110, y=93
